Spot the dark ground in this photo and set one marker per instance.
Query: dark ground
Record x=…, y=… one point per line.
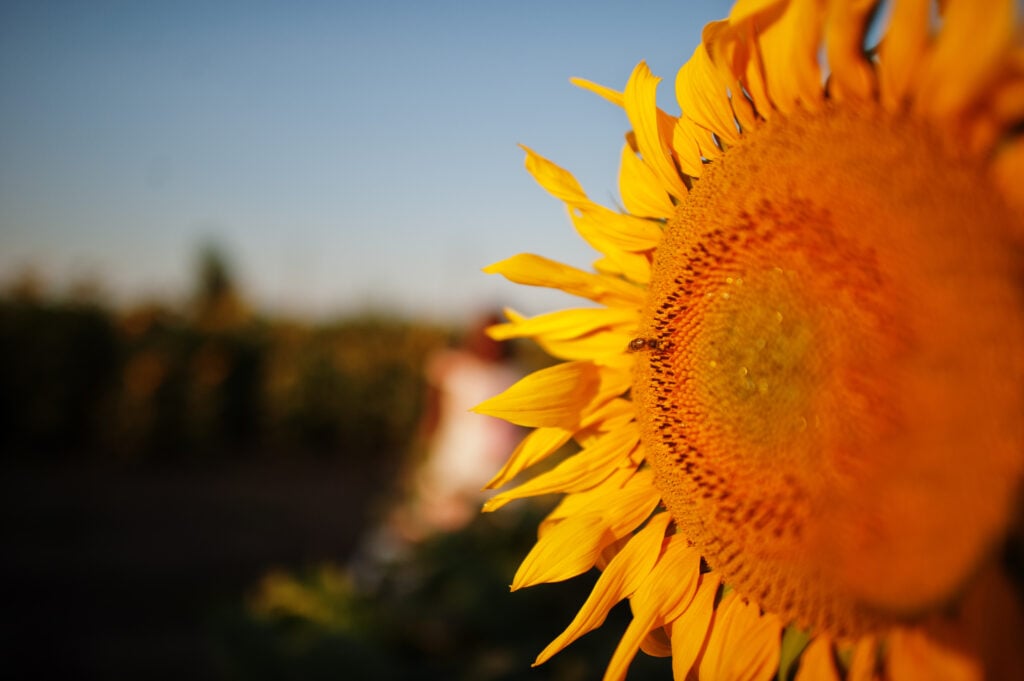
x=115, y=572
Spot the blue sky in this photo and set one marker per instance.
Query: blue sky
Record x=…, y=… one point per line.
x=345, y=155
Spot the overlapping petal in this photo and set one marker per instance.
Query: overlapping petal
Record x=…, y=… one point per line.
x=964, y=61
x=788, y=42
x=913, y=656
x=653, y=131
x=743, y=645
x=639, y=188
x=685, y=140
x=600, y=335
x=618, y=581
x=690, y=630
x=901, y=51
x=551, y=397
x=864, y=663
x=665, y=594
x=582, y=471
x=817, y=663
x=704, y=97
x=537, y=446
x=852, y=76
x=565, y=324
x=534, y=270
x=604, y=229
x=573, y=536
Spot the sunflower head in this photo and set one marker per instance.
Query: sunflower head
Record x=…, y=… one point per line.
x=799, y=400
x=833, y=417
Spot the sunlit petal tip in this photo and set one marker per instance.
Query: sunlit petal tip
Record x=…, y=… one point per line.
x=611, y=95
x=568, y=549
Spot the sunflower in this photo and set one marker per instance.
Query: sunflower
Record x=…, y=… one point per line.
x=798, y=400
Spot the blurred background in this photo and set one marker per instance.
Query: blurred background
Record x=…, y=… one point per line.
x=240, y=252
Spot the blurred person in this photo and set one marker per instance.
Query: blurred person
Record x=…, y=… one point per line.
x=462, y=452
x=464, y=449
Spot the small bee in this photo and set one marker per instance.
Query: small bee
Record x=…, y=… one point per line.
x=638, y=344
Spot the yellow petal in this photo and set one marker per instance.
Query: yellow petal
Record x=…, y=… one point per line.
x=566, y=549
x=690, y=630
x=720, y=43
x=864, y=662
x=653, y=129
x=963, y=63
x=852, y=77
x=912, y=656
x=657, y=643
x=567, y=324
x=666, y=592
x=672, y=583
x=578, y=529
x=606, y=348
x=534, y=270
x=597, y=418
x=600, y=335
x=590, y=501
x=603, y=228
x=619, y=580
x=733, y=48
x=703, y=97
x=559, y=182
x=606, y=417
x=816, y=663
x=581, y=471
x=901, y=50
x=1008, y=101
x=552, y=397
x=789, y=51
x=613, y=96
x=746, y=8
x=534, y=448
x=639, y=188
x=743, y=646
x=1008, y=169
x=628, y=646
x=625, y=490
x=636, y=267
x=688, y=151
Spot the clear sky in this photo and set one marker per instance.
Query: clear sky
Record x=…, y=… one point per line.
x=343, y=154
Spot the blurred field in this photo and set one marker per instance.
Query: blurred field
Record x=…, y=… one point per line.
x=157, y=461
x=184, y=487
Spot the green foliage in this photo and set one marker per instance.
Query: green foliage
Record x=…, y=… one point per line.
x=445, y=612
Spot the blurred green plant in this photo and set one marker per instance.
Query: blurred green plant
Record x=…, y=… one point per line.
x=443, y=612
